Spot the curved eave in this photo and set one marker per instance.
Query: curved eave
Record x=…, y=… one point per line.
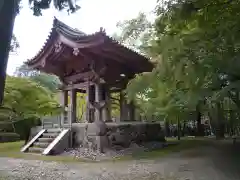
x=74, y=38
x=136, y=59
x=55, y=38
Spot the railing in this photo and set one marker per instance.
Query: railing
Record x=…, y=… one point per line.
x=56, y=121
x=51, y=122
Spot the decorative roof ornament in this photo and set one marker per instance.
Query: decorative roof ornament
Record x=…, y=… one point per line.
x=76, y=51
x=43, y=63
x=102, y=30
x=58, y=47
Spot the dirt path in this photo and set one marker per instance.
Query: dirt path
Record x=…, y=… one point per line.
x=206, y=163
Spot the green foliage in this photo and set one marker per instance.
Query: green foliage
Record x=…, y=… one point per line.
x=136, y=33
x=196, y=47
x=8, y=137
x=14, y=44
x=39, y=5
x=24, y=103
x=24, y=126
x=81, y=105
x=51, y=82
x=115, y=104
x=27, y=99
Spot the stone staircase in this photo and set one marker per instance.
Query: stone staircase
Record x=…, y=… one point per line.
x=45, y=142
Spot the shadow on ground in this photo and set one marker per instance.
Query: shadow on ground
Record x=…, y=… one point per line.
x=222, y=157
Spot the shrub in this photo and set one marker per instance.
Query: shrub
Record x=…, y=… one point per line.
x=23, y=127
x=9, y=137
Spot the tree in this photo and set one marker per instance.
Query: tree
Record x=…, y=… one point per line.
x=14, y=44
x=25, y=103
x=8, y=12
x=135, y=33
x=26, y=98
x=25, y=71
x=196, y=48
x=51, y=82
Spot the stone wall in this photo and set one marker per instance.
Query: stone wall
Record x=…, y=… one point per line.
x=122, y=133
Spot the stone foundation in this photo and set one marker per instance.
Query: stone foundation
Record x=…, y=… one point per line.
x=118, y=134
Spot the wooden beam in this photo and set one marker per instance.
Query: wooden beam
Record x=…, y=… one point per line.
x=80, y=76
x=130, y=56
x=113, y=64
x=97, y=51
x=82, y=85
x=136, y=64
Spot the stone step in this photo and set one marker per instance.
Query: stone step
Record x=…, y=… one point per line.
x=36, y=150
x=50, y=135
x=41, y=144
x=48, y=140
x=54, y=130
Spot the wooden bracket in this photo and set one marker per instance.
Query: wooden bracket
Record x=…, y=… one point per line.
x=98, y=105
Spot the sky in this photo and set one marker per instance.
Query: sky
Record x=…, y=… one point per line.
x=32, y=32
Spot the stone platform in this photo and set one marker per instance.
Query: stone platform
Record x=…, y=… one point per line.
x=118, y=134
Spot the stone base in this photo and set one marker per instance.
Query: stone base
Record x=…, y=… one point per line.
x=119, y=134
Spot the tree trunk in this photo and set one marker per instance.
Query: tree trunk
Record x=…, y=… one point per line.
x=178, y=129
x=8, y=10
x=198, y=119
x=220, y=126
x=184, y=128
x=167, y=129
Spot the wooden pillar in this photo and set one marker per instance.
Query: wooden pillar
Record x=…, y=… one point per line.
x=121, y=106
x=98, y=99
x=73, y=106
x=90, y=98
x=106, y=114
x=131, y=111
x=124, y=113
x=87, y=113
x=64, y=104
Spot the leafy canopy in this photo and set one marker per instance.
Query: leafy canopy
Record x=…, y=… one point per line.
x=25, y=98
x=196, y=46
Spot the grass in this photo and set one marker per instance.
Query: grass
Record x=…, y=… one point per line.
x=184, y=144
x=12, y=149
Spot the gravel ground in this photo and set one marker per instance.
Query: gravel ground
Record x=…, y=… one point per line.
x=206, y=163
x=114, y=152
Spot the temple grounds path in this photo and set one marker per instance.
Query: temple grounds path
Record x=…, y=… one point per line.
x=219, y=161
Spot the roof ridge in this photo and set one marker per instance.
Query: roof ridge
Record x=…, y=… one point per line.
x=59, y=24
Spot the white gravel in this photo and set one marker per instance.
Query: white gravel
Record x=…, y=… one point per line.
x=201, y=164
x=114, y=152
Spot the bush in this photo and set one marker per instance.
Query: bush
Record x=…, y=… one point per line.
x=8, y=137
x=23, y=127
